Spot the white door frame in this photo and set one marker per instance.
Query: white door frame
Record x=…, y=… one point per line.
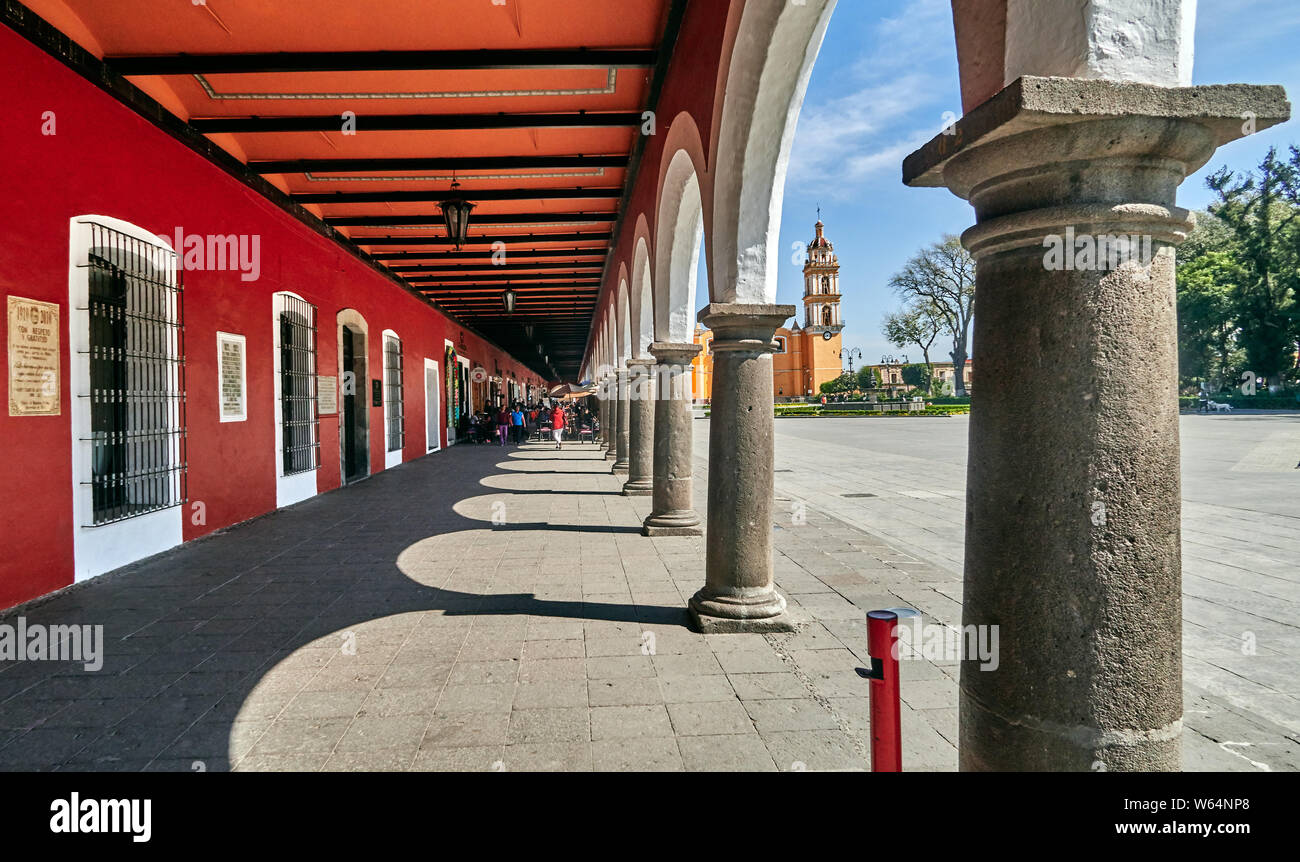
x=392, y=458
x=102, y=548
x=432, y=410
x=299, y=486
x=344, y=318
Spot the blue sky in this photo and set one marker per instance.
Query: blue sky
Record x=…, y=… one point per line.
x=881, y=86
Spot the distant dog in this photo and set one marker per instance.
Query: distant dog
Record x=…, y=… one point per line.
x=1216, y=407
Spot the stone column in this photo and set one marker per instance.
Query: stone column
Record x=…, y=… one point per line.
x=673, y=512
x=603, y=438
x=622, y=421
x=738, y=593
x=641, y=429
x=609, y=414
x=1072, y=509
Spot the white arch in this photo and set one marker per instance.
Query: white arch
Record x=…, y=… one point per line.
x=607, y=353
x=767, y=76
x=679, y=232
x=623, y=331
x=641, y=323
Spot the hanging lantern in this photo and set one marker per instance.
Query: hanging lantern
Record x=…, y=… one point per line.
x=455, y=212
x=508, y=299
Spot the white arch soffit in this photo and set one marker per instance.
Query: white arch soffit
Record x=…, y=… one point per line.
x=681, y=234
x=770, y=65
x=622, y=330
x=641, y=324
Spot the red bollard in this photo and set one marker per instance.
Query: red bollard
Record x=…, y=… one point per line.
x=886, y=717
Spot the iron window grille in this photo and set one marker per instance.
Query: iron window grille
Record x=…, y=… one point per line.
x=300, y=422
x=393, y=393
x=137, y=377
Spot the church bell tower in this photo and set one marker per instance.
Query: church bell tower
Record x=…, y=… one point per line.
x=821, y=286
x=821, y=310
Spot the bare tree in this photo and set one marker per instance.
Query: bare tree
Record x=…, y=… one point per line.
x=917, y=324
x=941, y=279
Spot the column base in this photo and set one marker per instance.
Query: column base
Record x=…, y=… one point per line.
x=638, y=489
x=736, y=615
x=683, y=523
x=620, y=467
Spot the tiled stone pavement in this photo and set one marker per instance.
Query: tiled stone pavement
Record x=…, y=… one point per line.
x=903, y=480
x=479, y=609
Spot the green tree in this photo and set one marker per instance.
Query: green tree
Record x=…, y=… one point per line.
x=867, y=378
x=1207, y=317
x=1260, y=208
x=846, y=382
x=917, y=376
x=1211, y=234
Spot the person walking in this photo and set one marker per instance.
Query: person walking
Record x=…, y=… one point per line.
x=517, y=424
x=557, y=425
x=503, y=424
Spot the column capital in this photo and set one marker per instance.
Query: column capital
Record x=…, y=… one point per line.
x=1052, y=162
x=1225, y=111
x=639, y=361
x=748, y=326
x=675, y=353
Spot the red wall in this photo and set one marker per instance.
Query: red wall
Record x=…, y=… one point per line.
x=106, y=160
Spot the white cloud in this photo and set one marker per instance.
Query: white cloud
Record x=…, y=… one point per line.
x=899, y=95
x=919, y=36
x=854, y=137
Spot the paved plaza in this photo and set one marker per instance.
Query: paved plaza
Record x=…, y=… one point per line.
x=498, y=609
x=903, y=481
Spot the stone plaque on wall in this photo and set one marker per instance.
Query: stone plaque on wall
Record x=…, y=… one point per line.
x=327, y=395
x=33, y=357
x=231, y=377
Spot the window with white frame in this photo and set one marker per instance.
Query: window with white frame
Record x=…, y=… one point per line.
x=137, y=377
x=300, y=423
x=393, y=393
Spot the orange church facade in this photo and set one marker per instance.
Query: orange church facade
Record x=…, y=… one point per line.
x=806, y=356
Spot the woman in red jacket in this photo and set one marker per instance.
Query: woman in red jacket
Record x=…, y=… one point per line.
x=557, y=425
x=503, y=423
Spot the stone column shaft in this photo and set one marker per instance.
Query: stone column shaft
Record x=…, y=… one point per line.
x=624, y=422
x=641, y=417
x=603, y=414
x=673, y=511
x=1073, y=498
x=738, y=594
x=610, y=415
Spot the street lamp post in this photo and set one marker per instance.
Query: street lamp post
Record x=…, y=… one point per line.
x=891, y=362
